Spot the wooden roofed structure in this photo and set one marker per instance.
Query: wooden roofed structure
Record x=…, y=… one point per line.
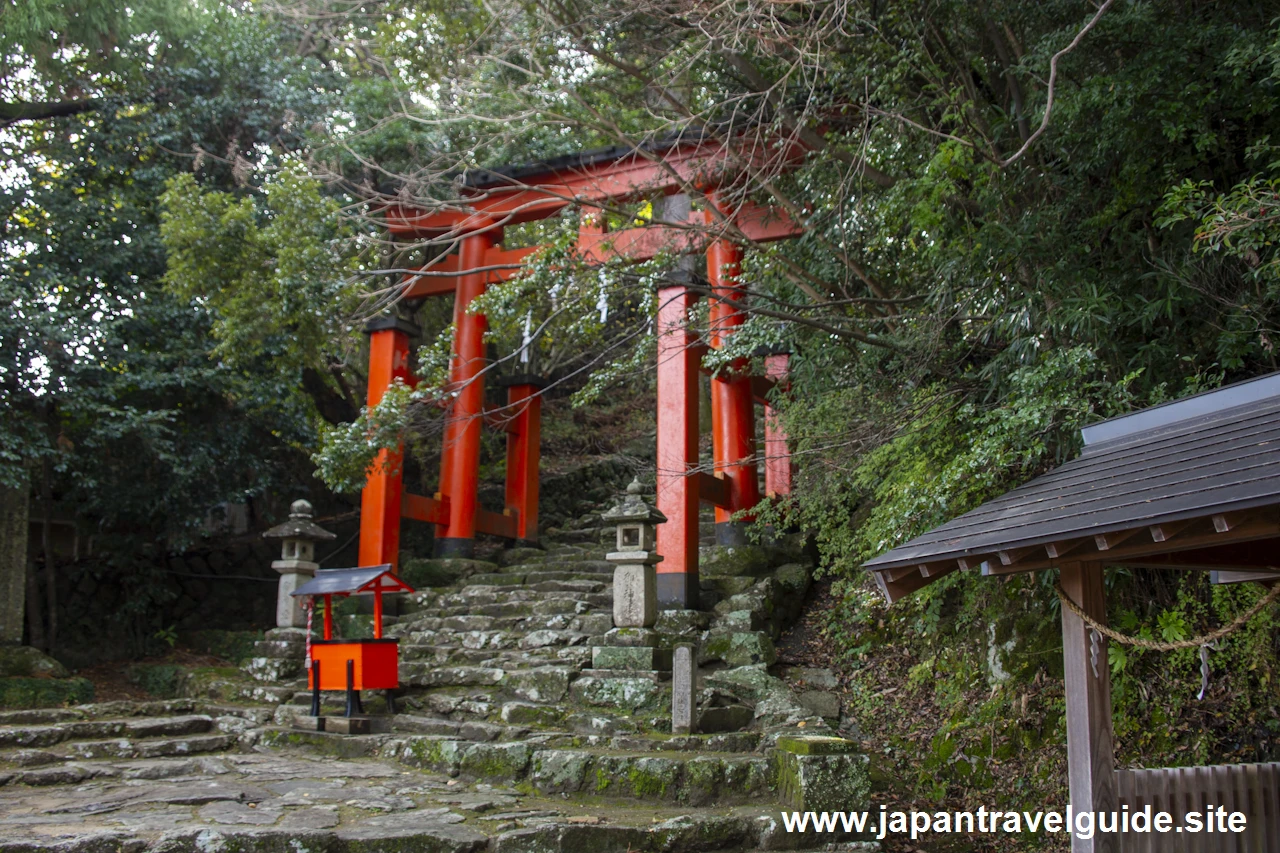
x=1189, y=485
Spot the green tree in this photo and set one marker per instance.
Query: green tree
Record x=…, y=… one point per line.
x=116, y=401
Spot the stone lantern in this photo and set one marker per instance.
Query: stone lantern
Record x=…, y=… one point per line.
x=298, y=537
x=635, y=584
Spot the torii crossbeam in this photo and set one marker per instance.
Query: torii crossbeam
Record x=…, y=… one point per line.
x=592, y=181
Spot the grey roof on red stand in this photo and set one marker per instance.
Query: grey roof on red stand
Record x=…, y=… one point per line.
x=353, y=582
x=1215, y=452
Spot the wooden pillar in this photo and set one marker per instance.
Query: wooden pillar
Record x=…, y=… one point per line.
x=777, y=455
x=1090, y=753
x=523, y=453
x=732, y=406
x=460, y=457
x=380, y=500
x=677, y=574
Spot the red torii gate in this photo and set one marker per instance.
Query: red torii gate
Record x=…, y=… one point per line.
x=592, y=180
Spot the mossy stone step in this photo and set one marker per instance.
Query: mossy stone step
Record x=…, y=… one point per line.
x=692, y=778
x=687, y=777
x=539, y=607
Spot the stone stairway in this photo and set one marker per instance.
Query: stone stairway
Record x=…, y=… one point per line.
x=108, y=740
x=498, y=686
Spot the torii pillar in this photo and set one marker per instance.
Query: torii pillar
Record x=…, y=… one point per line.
x=681, y=485
x=460, y=461
x=732, y=406
x=383, y=491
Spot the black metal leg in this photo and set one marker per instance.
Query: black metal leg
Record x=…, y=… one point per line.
x=353, y=698
x=391, y=702
x=315, y=688
x=359, y=704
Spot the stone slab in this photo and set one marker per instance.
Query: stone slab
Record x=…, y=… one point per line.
x=630, y=658
x=348, y=725
x=816, y=745
x=635, y=596
x=684, y=690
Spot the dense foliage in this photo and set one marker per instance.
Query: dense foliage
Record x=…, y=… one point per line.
x=1018, y=218
x=120, y=411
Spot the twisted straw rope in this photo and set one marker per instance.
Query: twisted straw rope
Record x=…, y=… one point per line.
x=1195, y=642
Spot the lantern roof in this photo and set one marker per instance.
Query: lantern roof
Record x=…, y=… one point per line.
x=299, y=526
x=633, y=508
x=367, y=579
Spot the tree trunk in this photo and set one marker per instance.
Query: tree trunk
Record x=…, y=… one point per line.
x=50, y=564
x=14, y=510
x=35, y=622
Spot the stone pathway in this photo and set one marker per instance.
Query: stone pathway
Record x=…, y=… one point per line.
x=268, y=800
x=510, y=737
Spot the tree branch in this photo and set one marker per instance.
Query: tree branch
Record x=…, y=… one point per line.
x=12, y=113
x=1053, y=75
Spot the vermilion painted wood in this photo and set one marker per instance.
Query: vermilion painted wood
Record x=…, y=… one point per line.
x=677, y=450
x=380, y=500
x=732, y=410
x=441, y=276
x=777, y=454
x=421, y=508
x=460, y=459
x=501, y=524
x=480, y=261
x=376, y=664
x=523, y=452
x=596, y=246
x=713, y=490
x=698, y=164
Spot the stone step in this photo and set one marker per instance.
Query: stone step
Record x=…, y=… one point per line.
x=508, y=659
x=540, y=684
x=538, y=607
x=124, y=748
x=695, y=778
x=531, y=576
x=578, y=590
x=479, y=631
x=496, y=826
x=74, y=730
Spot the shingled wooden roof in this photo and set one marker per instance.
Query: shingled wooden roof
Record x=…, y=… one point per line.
x=1190, y=484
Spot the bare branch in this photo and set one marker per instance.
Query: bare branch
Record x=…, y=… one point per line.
x=1053, y=76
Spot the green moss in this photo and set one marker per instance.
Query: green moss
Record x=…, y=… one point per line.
x=27, y=662
x=234, y=646
x=504, y=761
x=442, y=755
x=822, y=782
x=646, y=783
x=162, y=680
x=423, y=573
x=704, y=781
x=44, y=692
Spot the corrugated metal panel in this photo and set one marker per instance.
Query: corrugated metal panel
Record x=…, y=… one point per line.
x=339, y=581
x=1251, y=789
x=1203, y=464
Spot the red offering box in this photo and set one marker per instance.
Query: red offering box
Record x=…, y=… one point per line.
x=377, y=664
